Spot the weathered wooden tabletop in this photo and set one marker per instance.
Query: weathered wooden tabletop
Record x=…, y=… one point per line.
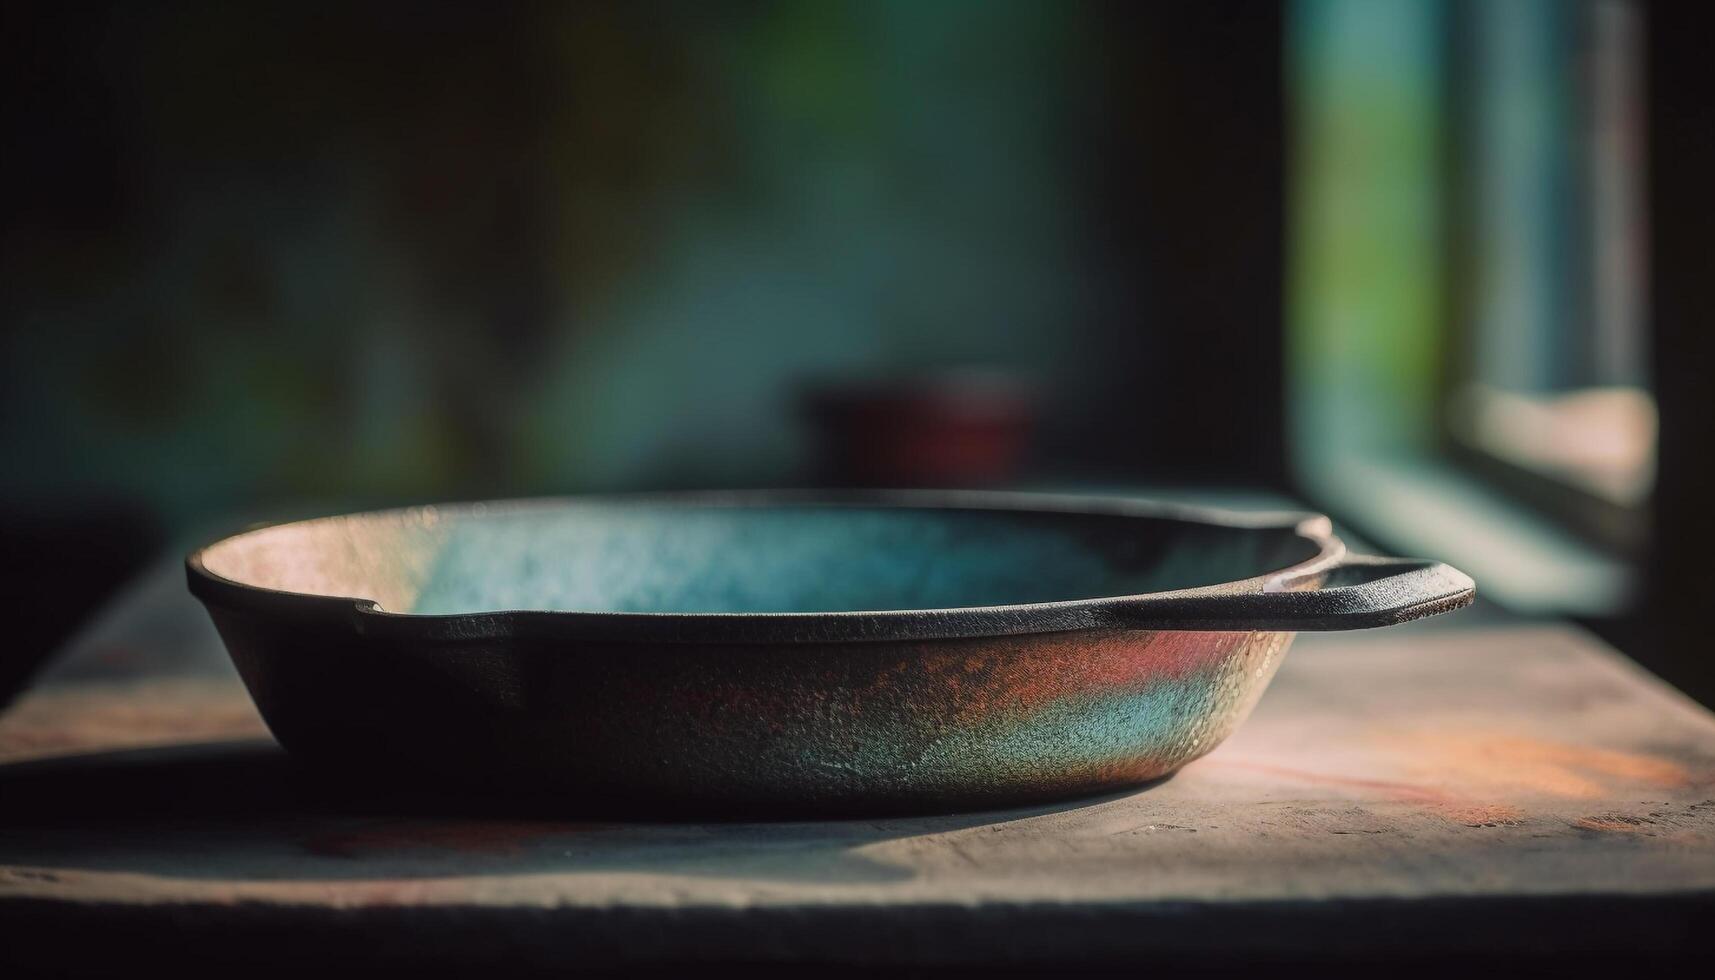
x=1499, y=786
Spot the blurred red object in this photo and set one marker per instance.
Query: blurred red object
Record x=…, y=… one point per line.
x=964, y=428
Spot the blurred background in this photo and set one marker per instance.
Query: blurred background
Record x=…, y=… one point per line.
x=1432, y=266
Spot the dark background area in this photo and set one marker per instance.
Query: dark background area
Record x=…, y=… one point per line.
x=1682, y=206
x=229, y=233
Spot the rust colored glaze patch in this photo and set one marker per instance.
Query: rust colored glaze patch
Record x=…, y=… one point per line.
x=968, y=681
x=1071, y=668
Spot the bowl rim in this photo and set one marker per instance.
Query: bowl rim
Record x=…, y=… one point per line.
x=1246, y=603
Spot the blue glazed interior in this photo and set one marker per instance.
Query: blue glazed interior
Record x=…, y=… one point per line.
x=748, y=560
x=697, y=558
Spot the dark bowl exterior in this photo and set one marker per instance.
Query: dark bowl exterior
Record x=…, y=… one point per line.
x=712, y=729
x=743, y=713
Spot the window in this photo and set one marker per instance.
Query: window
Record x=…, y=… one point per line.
x=1548, y=394
x=1467, y=339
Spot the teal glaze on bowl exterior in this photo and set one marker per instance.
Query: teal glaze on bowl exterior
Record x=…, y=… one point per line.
x=783, y=653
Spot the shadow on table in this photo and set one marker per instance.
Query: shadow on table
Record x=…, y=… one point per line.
x=244, y=810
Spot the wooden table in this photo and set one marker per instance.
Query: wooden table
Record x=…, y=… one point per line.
x=1494, y=787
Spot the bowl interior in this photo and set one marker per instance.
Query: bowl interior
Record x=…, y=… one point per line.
x=703, y=558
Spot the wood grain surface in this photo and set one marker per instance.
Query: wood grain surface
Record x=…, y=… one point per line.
x=1508, y=786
